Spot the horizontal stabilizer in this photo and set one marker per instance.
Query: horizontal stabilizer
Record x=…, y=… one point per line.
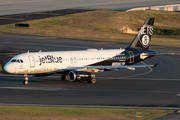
x=147, y=54
x=156, y=65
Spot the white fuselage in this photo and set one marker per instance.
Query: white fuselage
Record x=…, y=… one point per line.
x=45, y=62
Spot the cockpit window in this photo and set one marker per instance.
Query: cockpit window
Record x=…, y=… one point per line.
x=21, y=61
x=14, y=60
x=17, y=60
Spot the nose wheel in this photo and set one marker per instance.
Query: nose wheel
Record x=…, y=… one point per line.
x=25, y=82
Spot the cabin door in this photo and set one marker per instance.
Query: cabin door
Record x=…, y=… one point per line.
x=32, y=61
x=73, y=61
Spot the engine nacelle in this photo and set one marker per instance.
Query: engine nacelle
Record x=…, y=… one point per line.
x=80, y=75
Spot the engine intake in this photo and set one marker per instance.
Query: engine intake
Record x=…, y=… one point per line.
x=80, y=75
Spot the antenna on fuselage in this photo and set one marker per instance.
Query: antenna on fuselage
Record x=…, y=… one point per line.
x=102, y=48
x=28, y=51
x=40, y=51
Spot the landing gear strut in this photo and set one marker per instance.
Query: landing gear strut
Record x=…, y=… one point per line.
x=92, y=79
x=25, y=82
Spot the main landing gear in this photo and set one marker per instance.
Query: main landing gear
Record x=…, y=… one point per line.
x=64, y=77
x=76, y=76
x=92, y=79
x=25, y=82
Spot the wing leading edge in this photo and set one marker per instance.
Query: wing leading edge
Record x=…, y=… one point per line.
x=131, y=67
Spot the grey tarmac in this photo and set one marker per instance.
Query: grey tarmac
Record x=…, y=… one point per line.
x=147, y=87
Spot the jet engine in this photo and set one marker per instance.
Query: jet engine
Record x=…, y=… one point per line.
x=80, y=75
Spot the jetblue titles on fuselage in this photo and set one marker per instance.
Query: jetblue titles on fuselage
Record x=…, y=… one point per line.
x=49, y=59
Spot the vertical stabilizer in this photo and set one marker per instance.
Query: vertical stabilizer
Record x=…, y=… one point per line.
x=143, y=38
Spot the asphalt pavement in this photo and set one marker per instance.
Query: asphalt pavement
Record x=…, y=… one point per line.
x=147, y=87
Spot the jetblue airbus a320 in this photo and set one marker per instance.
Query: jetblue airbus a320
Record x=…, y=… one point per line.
x=82, y=65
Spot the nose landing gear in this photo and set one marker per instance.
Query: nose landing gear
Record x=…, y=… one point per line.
x=25, y=82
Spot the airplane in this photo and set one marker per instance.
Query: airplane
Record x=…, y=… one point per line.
x=83, y=64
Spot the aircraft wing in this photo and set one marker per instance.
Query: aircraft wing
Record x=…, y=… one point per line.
x=108, y=68
x=165, y=54
x=119, y=67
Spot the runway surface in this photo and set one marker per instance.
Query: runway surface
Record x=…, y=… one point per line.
x=147, y=87
x=8, y=7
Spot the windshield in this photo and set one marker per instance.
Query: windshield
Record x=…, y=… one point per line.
x=17, y=60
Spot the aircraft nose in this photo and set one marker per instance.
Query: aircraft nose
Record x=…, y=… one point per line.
x=8, y=68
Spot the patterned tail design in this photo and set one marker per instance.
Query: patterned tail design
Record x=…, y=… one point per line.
x=143, y=38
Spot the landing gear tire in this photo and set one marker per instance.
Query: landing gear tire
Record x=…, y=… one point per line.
x=92, y=81
x=64, y=77
x=25, y=82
